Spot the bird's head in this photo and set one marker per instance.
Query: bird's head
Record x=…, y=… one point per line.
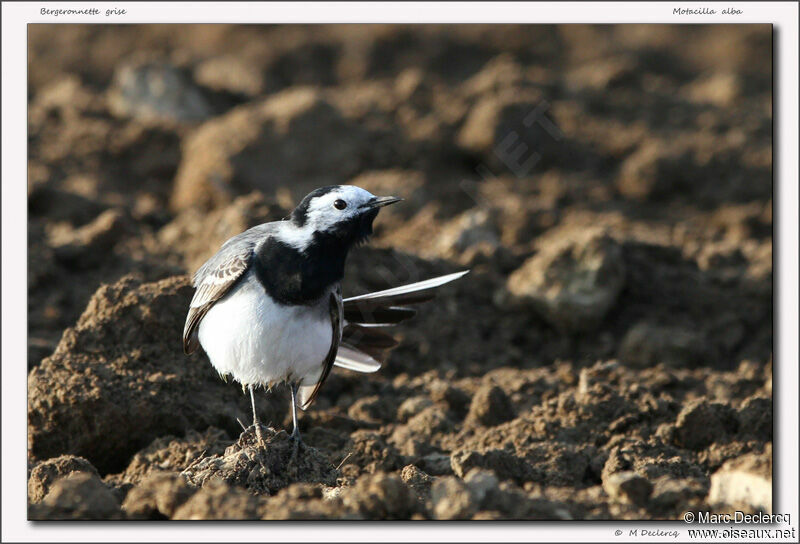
x=343, y=212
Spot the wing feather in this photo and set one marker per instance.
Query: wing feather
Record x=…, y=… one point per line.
x=307, y=393
x=216, y=277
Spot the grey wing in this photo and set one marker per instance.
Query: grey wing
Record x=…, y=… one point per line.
x=308, y=393
x=216, y=277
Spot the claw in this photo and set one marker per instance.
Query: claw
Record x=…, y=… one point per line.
x=256, y=424
x=295, y=436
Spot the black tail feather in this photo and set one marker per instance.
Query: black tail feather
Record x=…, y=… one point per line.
x=366, y=313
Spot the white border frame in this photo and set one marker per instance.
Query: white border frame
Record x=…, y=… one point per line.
x=14, y=241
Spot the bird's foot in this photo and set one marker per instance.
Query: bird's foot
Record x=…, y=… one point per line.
x=260, y=442
x=297, y=441
x=295, y=436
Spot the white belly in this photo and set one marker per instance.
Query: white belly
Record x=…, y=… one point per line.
x=260, y=342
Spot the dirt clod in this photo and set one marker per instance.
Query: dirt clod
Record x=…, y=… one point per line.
x=490, y=406
x=263, y=468
x=157, y=496
x=218, y=500
x=418, y=481
x=504, y=464
x=114, y=370
x=46, y=473
x=755, y=417
x=78, y=495
x=381, y=496
x=701, y=423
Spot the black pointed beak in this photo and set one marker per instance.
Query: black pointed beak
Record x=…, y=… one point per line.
x=381, y=201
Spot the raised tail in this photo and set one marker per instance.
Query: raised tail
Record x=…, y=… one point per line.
x=364, y=342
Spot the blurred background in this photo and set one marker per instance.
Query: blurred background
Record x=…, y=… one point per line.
x=609, y=186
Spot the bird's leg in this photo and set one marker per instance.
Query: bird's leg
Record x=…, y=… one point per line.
x=255, y=418
x=296, y=429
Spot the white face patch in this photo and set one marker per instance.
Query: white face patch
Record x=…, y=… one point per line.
x=324, y=212
x=337, y=206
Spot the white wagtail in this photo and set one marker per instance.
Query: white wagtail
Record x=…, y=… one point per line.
x=268, y=305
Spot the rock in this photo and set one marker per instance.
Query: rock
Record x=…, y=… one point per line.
x=512, y=130
x=380, y=496
x=573, y=281
x=755, y=418
x=263, y=469
x=472, y=231
x=46, y=473
x=157, y=496
x=267, y=145
x=702, y=423
x=490, y=407
x=656, y=171
x=646, y=345
x=118, y=379
x=744, y=482
x=627, y=486
x=218, y=500
x=157, y=91
x=80, y=495
x=451, y=499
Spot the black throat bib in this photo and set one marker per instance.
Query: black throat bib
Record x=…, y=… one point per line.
x=295, y=277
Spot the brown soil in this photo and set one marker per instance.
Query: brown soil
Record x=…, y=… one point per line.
x=608, y=356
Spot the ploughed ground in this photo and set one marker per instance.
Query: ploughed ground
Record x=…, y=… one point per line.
x=608, y=357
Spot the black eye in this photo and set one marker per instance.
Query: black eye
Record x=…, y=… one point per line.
x=340, y=204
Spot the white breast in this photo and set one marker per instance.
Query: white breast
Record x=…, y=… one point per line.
x=259, y=342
